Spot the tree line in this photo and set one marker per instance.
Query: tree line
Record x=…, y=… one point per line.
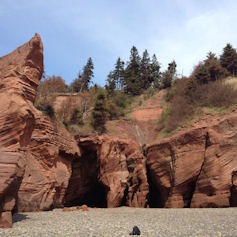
x=139, y=74
x=134, y=77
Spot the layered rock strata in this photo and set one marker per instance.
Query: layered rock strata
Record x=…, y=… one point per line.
x=111, y=173
x=37, y=151
x=20, y=72
x=196, y=168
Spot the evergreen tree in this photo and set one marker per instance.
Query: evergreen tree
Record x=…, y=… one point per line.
x=201, y=73
x=166, y=79
x=132, y=73
x=111, y=84
x=209, y=70
x=155, y=71
x=216, y=71
x=229, y=59
x=118, y=74
x=169, y=75
x=99, y=112
x=77, y=117
x=87, y=75
x=146, y=77
x=172, y=69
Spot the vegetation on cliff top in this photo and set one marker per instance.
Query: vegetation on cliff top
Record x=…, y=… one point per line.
x=209, y=89
x=86, y=107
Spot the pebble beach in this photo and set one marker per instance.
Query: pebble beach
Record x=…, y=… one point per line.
x=120, y=221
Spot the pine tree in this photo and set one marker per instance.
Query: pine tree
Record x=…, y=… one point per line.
x=146, y=77
x=169, y=75
x=166, y=79
x=83, y=79
x=118, y=74
x=132, y=73
x=87, y=75
x=110, y=85
x=229, y=59
x=99, y=112
x=201, y=74
x=155, y=71
x=77, y=117
x=172, y=69
x=216, y=71
x=209, y=70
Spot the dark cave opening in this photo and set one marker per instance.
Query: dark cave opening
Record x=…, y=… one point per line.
x=94, y=197
x=233, y=196
x=124, y=200
x=233, y=190
x=157, y=195
x=84, y=185
x=188, y=194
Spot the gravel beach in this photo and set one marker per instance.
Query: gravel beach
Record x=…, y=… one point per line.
x=120, y=221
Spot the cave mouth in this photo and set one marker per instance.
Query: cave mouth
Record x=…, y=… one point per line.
x=84, y=186
x=94, y=197
x=157, y=194
x=233, y=190
x=188, y=194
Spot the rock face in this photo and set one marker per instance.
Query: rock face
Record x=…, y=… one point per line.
x=11, y=172
x=49, y=156
x=111, y=173
x=20, y=72
x=196, y=168
x=29, y=137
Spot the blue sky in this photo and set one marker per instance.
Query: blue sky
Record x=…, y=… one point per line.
x=72, y=31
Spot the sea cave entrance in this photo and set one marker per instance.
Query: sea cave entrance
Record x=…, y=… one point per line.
x=84, y=185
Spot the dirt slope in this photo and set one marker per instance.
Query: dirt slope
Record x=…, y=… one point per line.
x=141, y=123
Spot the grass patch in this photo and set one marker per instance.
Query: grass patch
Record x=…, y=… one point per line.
x=232, y=81
x=82, y=130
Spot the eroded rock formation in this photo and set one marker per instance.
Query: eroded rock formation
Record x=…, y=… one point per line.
x=196, y=168
x=49, y=156
x=111, y=173
x=37, y=150
x=20, y=72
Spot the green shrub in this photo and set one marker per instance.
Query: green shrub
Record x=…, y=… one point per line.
x=183, y=103
x=216, y=94
x=47, y=109
x=99, y=112
x=76, y=117
x=113, y=111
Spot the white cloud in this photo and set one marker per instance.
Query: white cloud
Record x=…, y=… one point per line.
x=190, y=42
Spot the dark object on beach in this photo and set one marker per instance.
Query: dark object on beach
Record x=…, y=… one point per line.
x=135, y=231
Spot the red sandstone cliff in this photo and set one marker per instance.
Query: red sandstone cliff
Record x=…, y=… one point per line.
x=20, y=72
x=29, y=137
x=111, y=173
x=196, y=168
